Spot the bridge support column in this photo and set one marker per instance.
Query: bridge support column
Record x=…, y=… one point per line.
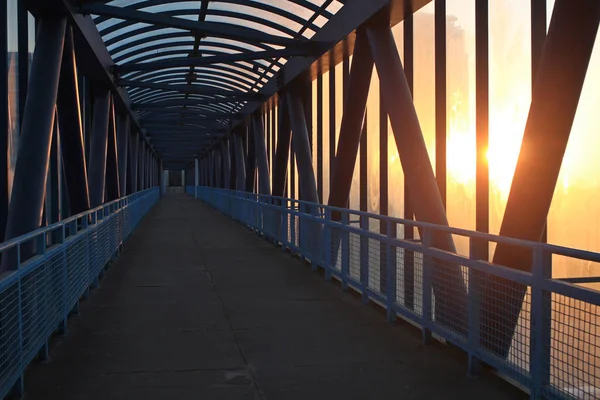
x=251, y=161
x=226, y=165
x=113, y=188
x=123, y=142
x=352, y=123
x=70, y=124
x=557, y=90
x=282, y=153
x=301, y=146
x=196, y=176
x=240, y=163
x=134, y=161
x=142, y=162
x=447, y=280
x=98, y=149
x=264, y=184
x=29, y=185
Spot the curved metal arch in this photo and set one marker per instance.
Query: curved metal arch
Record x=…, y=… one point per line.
x=254, y=4
x=215, y=68
x=149, y=48
x=166, y=97
x=205, y=80
x=223, y=13
x=244, y=72
x=152, y=98
x=180, y=83
x=204, y=76
x=168, y=36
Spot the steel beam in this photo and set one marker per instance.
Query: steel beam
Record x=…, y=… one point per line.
x=264, y=184
x=240, y=163
x=193, y=89
x=202, y=29
x=123, y=152
x=251, y=161
x=113, y=186
x=448, y=283
x=134, y=161
x=218, y=59
x=70, y=123
x=226, y=165
x=98, y=148
x=29, y=184
x=5, y=123
x=352, y=122
x=282, y=154
x=301, y=146
x=559, y=82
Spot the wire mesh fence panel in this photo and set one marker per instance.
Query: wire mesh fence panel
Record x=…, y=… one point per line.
x=43, y=290
x=77, y=259
x=336, y=248
x=449, y=302
x=10, y=335
x=409, y=280
x=574, y=351
x=377, y=276
x=354, y=255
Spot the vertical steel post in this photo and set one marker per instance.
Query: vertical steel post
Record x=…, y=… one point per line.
x=425, y=197
x=440, y=98
x=359, y=83
x=113, y=188
x=300, y=144
x=123, y=141
x=251, y=161
x=4, y=123
x=261, y=155
x=556, y=93
x=31, y=170
x=54, y=180
x=196, y=176
x=282, y=154
x=98, y=149
x=134, y=161
x=240, y=163
x=142, y=161
x=226, y=165
x=70, y=123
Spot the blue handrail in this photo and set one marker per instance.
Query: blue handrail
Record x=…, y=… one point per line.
x=555, y=348
x=37, y=298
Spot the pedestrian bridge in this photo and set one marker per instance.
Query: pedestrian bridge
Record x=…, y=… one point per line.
x=299, y=199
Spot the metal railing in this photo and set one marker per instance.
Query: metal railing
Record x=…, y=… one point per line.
x=66, y=259
x=555, y=348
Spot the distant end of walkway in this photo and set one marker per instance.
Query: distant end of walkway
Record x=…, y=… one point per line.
x=198, y=307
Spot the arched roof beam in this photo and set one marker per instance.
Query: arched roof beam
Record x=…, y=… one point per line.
x=196, y=89
x=250, y=3
x=203, y=29
x=220, y=59
x=194, y=12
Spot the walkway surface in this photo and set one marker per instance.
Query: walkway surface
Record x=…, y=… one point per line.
x=197, y=307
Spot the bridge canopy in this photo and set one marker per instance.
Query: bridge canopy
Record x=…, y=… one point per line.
x=193, y=69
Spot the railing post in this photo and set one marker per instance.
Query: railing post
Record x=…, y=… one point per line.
x=391, y=272
x=364, y=258
x=345, y=250
x=327, y=237
x=427, y=286
x=474, y=306
x=541, y=323
x=284, y=224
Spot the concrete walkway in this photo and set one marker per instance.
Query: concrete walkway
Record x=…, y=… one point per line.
x=197, y=307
